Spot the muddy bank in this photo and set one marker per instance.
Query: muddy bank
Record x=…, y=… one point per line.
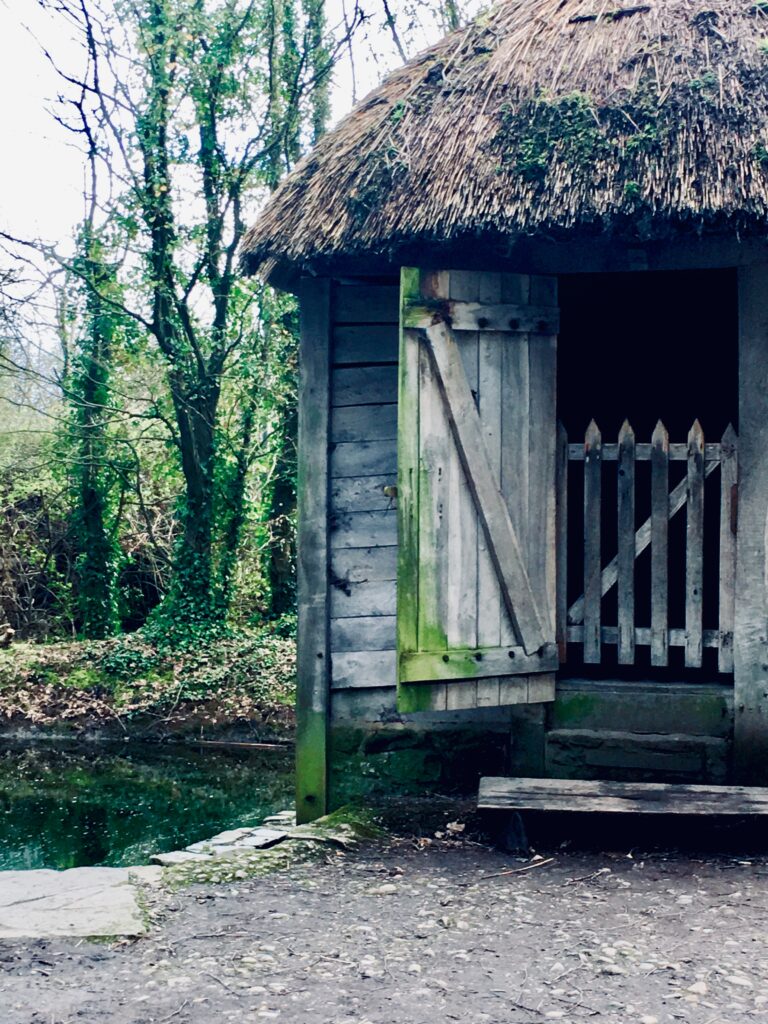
x=240, y=689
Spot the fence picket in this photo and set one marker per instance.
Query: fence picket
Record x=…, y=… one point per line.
x=729, y=464
x=592, y=523
x=626, y=539
x=562, y=541
x=659, y=544
x=694, y=548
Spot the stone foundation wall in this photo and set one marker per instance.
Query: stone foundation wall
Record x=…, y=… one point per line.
x=665, y=732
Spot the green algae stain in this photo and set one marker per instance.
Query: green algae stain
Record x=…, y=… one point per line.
x=573, y=709
x=413, y=698
x=530, y=136
x=311, y=765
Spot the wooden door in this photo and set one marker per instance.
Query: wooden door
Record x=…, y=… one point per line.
x=476, y=490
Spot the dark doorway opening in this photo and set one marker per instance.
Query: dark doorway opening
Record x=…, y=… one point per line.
x=647, y=347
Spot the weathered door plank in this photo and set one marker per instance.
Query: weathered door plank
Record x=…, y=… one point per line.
x=502, y=540
x=562, y=541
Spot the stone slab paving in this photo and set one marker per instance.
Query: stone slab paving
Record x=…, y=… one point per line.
x=234, y=840
x=98, y=901
x=75, y=903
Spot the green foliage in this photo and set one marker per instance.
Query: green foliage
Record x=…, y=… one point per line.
x=205, y=61
x=36, y=585
x=708, y=82
x=175, y=447
x=244, y=676
x=567, y=125
x=84, y=679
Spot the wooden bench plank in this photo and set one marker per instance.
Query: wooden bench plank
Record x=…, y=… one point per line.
x=619, y=797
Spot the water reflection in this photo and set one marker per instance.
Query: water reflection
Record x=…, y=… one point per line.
x=68, y=806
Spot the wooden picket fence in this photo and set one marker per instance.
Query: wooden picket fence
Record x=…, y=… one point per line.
x=581, y=622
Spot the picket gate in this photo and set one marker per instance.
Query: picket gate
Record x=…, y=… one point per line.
x=581, y=622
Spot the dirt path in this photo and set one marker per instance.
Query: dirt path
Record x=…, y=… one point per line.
x=409, y=935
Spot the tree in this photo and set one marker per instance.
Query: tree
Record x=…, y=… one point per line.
x=194, y=110
x=86, y=386
x=174, y=402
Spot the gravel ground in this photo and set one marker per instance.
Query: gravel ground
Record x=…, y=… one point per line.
x=422, y=930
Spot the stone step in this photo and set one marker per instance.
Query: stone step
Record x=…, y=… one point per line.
x=697, y=709
x=74, y=903
x=630, y=756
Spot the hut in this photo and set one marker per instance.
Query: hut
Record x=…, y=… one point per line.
x=533, y=276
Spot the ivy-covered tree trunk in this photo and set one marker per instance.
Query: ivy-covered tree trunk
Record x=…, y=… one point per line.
x=282, y=525
x=88, y=393
x=194, y=375
x=191, y=595
x=234, y=512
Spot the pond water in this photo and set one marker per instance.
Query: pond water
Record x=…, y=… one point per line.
x=67, y=806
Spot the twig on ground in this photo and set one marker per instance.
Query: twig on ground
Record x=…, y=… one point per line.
x=513, y=871
x=587, y=878
x=175, y=1012
x=223, y=984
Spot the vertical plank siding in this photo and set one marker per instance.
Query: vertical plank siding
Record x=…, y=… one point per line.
x=363, y=478
x=562, y=542
x=750, y=634
x=462, y=569
x=728, y=507
x=694, y=560
x=313, y=650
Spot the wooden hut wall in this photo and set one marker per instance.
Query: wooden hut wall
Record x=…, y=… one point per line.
x=362, y=515
x=347, y=583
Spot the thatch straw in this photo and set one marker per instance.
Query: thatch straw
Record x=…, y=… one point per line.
x=544, y=116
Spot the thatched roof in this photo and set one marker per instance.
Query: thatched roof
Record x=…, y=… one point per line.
x=543, y=116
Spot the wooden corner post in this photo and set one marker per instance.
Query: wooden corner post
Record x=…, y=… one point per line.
x=312, y=552
x=751, y=611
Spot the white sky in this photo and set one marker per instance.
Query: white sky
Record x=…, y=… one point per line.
x=41, y=173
